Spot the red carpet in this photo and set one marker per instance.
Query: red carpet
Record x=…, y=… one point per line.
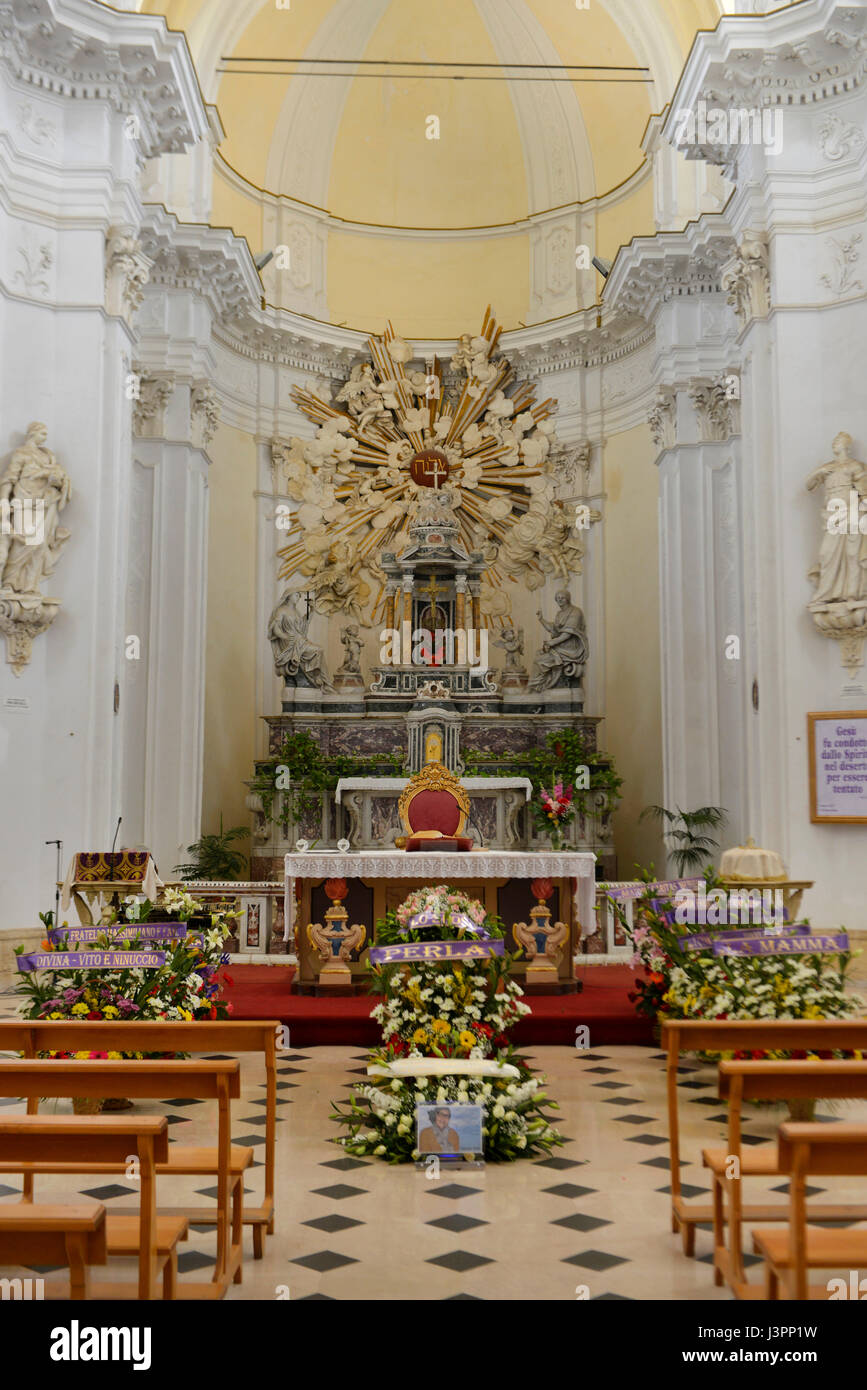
x=264, y=991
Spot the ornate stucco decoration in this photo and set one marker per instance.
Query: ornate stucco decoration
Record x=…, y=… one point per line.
x=663, y=418
x=747, y=279
x=839, y=139
x=148, y=411
x=127, y=271
x=356, y=485
x=716, y=410
x=34, y=490
x=839, y=604
x=129, y=61
x=204, y=413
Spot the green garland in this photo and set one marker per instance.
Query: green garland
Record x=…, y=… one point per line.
x=311, y=772
x=565, y=750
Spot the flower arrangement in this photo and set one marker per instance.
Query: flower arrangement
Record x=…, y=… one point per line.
x=451, y=1008
x=697, y=984
x=186, y=987
x=553, y=811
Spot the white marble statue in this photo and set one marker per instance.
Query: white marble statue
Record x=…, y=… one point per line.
x=840, y=572
x=40, y=487
x=297, y=660
x=563, y=658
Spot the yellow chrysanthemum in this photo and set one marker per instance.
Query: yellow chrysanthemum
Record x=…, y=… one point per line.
x=466, y=1039
x=419, y=1036
x=79, y=1008
x=441, y=1025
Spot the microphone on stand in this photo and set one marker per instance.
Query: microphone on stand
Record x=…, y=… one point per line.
x=116, y=829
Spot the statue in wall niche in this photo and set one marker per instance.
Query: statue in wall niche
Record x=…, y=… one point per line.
x=562, y=659
x=297, y=660
x=839, y=604
x=35, y=489
x=840, y=572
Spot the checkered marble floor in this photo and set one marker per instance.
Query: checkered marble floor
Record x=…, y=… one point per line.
x=594, y=1216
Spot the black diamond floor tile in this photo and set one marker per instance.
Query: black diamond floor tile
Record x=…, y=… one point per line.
x=662, y=1163
x=596, y=1260
x=578, y=1221
x=559, y=1163
x=687, y=1190
x=601, y=1071
x=650, y=1140
x=291, y=1057
x=749, y=1260
x=569, y=1189
x=113, y=1189
x=610, y=1297
x=620, y=1100
x=344, y=1165
x=183, y=1100
x=214, y=1192
x=324, y=1260
x=704, y=1100
x=593, y=1057
x=460, y=1261
x=461, y=1297
x=332, y=1223
x=456, y=1223
x=453, y=1191
x=263, y=1119
x=694, y=1085
x=810, y=1190
x=9, y=1191
x=192, y=1260
x=633, y=1120
x=281, y=1100
x=310, y=1297
x=249, y=1141
x=339, y=1191
x=611, y=1085
x=45, y=1269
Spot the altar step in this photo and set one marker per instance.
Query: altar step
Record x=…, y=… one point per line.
x=265, y=991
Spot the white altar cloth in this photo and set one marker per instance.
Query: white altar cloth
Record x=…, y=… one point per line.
x=445, y=868
x=398, y=784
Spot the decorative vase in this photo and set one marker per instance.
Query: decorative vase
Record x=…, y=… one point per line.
x=802, y=1109
x=86, y=1105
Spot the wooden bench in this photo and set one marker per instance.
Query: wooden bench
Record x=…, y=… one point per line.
x=73, y=1235
x=681, y=1036
x=762, y=1081
x=59, y=1035
x=200, y=1080
x=789, y=1254
x=34, y=1144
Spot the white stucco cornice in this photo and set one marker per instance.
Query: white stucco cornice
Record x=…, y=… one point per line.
x=211, y=261
x=807, y=53
x=82, y=49
x=652, y=270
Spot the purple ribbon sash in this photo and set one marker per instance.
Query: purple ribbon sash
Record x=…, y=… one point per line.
x=92, y=960
x=436, y=950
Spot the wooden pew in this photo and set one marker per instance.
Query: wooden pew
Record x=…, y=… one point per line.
x=151, y=1080
x=70, y=1234
x=740, y=1081
x=822, y=1150
x=81, y=1143
x=684, y=1036
x=30, y=1037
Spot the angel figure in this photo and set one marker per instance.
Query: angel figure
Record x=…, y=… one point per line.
x=337, y=581
x=512, y=640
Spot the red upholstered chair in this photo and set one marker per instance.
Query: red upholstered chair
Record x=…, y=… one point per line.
x=433, y=809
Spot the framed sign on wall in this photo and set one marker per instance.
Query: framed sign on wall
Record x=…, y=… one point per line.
x=837, y=742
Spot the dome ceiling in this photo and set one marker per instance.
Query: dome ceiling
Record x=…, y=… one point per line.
x=356, y=142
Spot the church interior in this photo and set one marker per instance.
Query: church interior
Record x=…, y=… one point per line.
x=433, y=601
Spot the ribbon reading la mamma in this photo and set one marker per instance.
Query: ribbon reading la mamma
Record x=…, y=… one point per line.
x=812, y=944
x=93, y=960
x=435, y=950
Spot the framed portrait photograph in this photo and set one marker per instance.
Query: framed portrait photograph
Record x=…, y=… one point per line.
x=837, y=745
x=449, y=1130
